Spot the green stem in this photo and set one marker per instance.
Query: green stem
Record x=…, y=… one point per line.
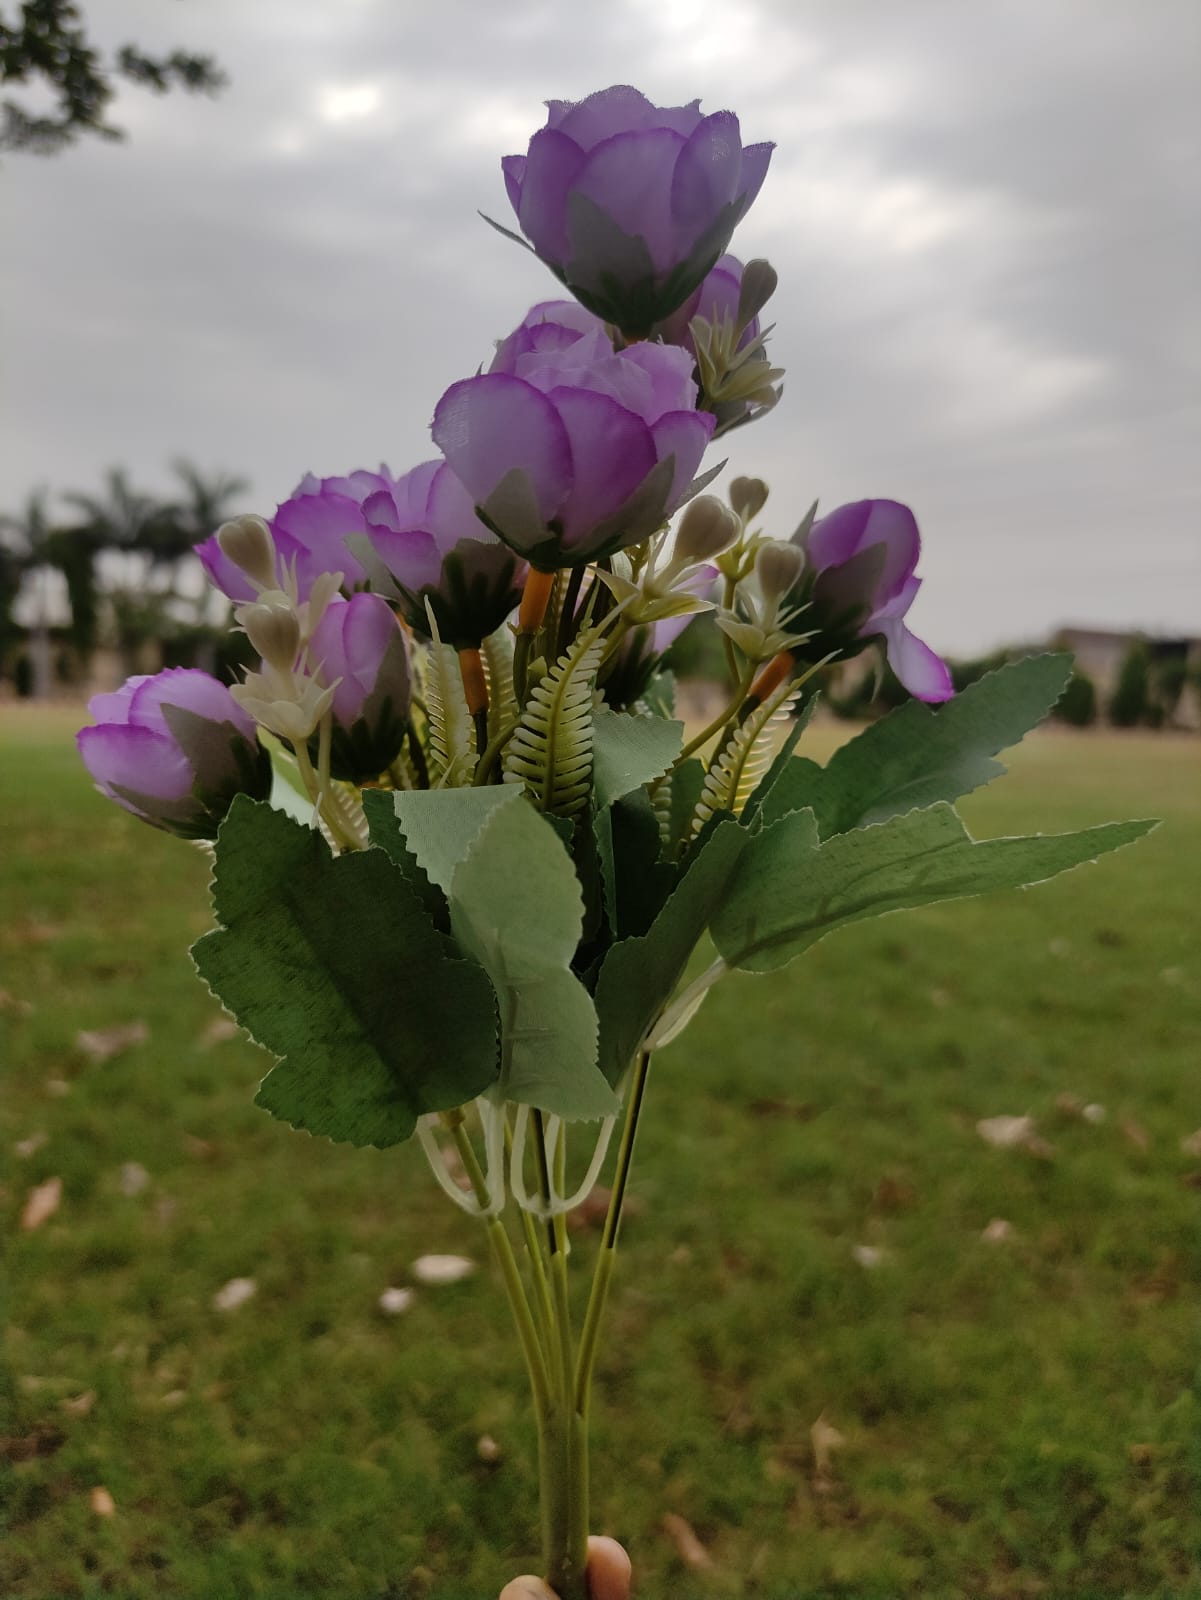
x=567, y=609
x=492, y=750
x=723, y=717
x=533, y=1252
x=511, y=1274
x=521, y=662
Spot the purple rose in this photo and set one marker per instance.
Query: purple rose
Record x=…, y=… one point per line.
x=360, y=642
x=310, y=530
x=425, y=531
x=174, y=749
x=630, y=204
x=860, y=582
x=569, y=448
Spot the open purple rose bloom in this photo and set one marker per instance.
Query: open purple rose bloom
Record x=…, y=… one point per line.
x=174, y=749
x=425, y=531
x=630, y=204
x=310, y=529
x=359, y=645
x=570, y=449
x=860, y=582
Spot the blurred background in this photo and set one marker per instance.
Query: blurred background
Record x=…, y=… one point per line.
x=910, y=1303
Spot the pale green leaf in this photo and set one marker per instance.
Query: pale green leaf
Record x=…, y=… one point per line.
x=629, y=751
x=440, y=825
x=515, y=904
x=792, y=890
x=334, y=965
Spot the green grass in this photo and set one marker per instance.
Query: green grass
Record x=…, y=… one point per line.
x=1018, y=1418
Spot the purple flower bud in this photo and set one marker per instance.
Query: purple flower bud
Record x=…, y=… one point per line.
x=569, y=448
x=174, y=749
x=630, y=204
x=359, y=642
x=428, y=536
x=310, y=529
x=860, y=581
x=716, y=299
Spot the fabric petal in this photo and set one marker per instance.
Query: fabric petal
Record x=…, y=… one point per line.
x=684, y=435
x=222, y=573
x=553, y=164
x=114, y=707
x=315, y=527
x=756, y=158
x=895, y=527
x=612, y=451
x=924, y=674
x=135, y=758
x=190, y=690
x=513, y=168
x=452, y=513
x=836, y=537
x=706, y=177
x=487, y=426
x=616, y=110
x=410, y=554
x=629, y=176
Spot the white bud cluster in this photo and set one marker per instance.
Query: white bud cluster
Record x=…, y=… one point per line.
x=287, y=696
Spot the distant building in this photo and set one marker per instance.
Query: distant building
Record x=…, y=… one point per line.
x=1100, y=652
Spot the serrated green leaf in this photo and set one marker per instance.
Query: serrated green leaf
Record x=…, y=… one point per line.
x=515, y=904
x=440, y=825
x=792, y=890
x=687, y=780
x=917, y=756
x=636, y=881
x=334, y=966
x=629, y=751
x=638, y=976
x=383, y=829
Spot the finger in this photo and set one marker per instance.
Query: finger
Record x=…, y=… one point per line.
x=608, y=1570
x=526, y=1588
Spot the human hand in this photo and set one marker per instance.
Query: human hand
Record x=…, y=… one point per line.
x=608, y=1576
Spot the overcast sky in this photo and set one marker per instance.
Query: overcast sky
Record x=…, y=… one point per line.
x=984, y=216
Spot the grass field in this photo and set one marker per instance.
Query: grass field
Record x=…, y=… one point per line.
x=1017, y=1416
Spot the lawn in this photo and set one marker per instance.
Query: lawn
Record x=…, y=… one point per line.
x=1013, y=1416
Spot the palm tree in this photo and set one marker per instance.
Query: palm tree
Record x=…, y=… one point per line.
x=27, y=540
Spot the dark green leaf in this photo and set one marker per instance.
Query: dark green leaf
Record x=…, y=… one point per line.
x=792, y=890
x=334, y=965
x=917, y=756
x=638, y=976
x=384, y=831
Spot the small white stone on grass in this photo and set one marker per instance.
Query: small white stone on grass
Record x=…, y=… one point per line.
x=393, y=1301
x=442, y=1269
x=134, y=1178
x=998, y=1231
x=1191, y=1144
x=867, y=1255
x=29, y=1147
x=101, y=1502
x=1094, y=1113
x=1005, y=1132
x=41, y=1203
x=235, y=1293
x=487, y=1449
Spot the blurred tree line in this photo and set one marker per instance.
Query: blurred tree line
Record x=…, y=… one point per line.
x=115, y=570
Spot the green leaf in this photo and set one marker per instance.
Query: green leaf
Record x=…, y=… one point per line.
x=687, y=780
x=515, y=904
x=638, y=976
x=383, y=828
x=629, y=751
x=792, y=890
x=440, y=825
x=334, y=965
x=917, y=756
x=781, y=764
x=636, y=881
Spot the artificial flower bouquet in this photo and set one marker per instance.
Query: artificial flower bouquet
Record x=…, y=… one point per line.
x=464, y=851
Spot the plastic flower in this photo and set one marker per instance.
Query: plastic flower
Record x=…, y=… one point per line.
x=719, y=324
x=358, y=648
x=174, y=749
x=310, y=529
x=860, y=582
x=570, y=449
x=630, y=204
x=425, y=531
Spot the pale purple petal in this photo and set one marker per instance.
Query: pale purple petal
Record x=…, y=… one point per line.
x=553, y=165
x=629, y=176
x=488, y=426
x=684, y=435
x=923, y=673
x=895, y=527
x=603, y=114
x=135, y=758
x=349, y=643
x=706, y=177
x=612, y=451
x=756, y=158
x=314, y=529
x=513, y=168
x=190, y=690
x=670, y=370
x=452, y=513
x=114, y=707
x=836, y=537
x=222, y=572
x=410, y=554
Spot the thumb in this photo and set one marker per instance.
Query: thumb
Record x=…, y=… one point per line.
x=526, y=1588
x=608, y=1570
